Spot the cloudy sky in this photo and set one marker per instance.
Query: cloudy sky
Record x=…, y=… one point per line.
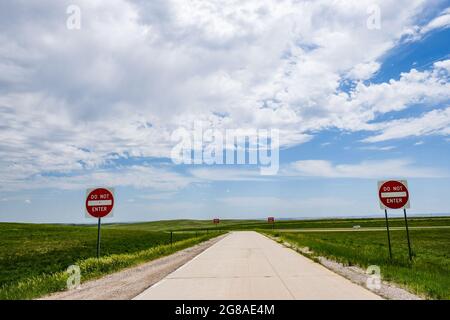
x=359, y=90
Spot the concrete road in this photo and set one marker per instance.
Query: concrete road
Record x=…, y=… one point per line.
x=247, y=265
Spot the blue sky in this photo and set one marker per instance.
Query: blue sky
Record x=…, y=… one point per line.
x=96, y=106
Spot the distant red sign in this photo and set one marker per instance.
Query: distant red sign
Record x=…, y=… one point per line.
x=270, y=219
x=216, y=221
x=99, y=202
x=393, y=194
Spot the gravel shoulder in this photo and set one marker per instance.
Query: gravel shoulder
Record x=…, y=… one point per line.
x=127, y=284
x=357, y=275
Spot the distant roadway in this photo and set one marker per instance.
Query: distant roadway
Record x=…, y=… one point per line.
x=248, y=265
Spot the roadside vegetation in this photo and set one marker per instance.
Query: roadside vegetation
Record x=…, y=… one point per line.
x=193, y=225
x=34, y=258
x=428, y=275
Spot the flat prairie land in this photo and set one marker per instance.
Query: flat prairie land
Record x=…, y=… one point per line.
x=197, y=225
x=29, y=252
x=36, y=255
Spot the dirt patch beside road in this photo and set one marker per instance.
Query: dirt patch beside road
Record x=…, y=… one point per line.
x=127, y=284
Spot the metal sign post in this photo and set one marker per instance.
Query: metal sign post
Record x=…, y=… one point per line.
x=98, y=237
x=394, y=194
x=216, y=221
x=272, y=221
x=389, y=237
x=407, y=235
x=99, y=204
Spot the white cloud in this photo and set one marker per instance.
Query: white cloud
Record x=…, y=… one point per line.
x=442, y=21
x=322, y=168
x=285, y=207
x=416, y=32
x=375, y=148
x=436, y=122
x=227, y=174
x=136, y=176
x=356, y=110
x=158, y=196
x=399, y=168
x=364, y=71
x=74, y=101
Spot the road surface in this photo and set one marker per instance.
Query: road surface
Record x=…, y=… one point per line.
x=248, y=265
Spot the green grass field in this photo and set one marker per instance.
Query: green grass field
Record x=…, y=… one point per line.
x=29, y=250
x=184, y=225
x=428, y=275
x=192, y=225
x=33, y=257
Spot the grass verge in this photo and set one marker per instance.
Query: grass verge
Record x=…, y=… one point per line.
x=428, y=275
x=91, y=268
x=28, y=250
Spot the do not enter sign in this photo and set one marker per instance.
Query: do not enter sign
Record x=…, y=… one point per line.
x=393, y=194
x=99, y=202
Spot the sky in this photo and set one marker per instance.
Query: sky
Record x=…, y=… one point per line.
x=91, y=93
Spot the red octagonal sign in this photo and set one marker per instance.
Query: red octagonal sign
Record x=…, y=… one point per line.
x=99, y=202
x=393, y=194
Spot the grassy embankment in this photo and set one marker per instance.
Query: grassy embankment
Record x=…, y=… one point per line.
x=428, y=275
x=34, y=258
